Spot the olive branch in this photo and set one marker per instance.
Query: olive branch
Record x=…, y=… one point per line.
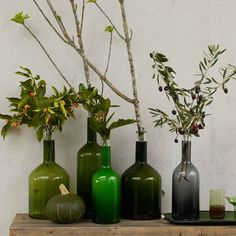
x=188, y=114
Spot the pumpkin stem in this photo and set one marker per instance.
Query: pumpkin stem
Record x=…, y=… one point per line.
x=63, y=189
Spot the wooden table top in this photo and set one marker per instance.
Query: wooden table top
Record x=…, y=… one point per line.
x=23, y=225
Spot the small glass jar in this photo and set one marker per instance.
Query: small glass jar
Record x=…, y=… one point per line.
x=217, y=204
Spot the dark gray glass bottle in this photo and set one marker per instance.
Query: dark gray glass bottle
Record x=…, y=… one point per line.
x=185, y=187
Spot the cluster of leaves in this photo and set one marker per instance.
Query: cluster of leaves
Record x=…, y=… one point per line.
x=34, y=109
x=188, y=114
x=20, y=18
x=98, y=108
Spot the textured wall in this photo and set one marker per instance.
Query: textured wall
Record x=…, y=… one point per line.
x=181, y=29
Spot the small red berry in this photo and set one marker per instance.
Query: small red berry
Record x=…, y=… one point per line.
x=194, y=128
x=15, y=124
x=76, y=105
x=193, y=96
x=200, y=126
x=32, y=94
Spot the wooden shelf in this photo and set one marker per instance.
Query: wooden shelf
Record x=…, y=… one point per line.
x=23, y=225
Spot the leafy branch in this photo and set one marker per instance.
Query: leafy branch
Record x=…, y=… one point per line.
x=98, y=108
x=34, y=109
x=188, y=114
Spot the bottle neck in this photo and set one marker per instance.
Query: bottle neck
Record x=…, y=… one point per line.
x=186, y=151
x=106, y=156
x=48, y=151
x=141, y=152
x=91, y=134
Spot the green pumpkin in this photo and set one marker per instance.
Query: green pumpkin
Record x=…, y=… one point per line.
x=65, y=207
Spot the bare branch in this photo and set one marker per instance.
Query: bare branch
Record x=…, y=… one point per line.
x=91, y=65
x=82, y=17
x=80, y=41
x=49, y=22
x=132, y=70
x=109, y=19
x=109, y=54
x=47, y=54
x=108, y=83
x=108, y=60
x=59, y=21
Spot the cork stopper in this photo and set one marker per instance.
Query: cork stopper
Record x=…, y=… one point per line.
x=63, y=189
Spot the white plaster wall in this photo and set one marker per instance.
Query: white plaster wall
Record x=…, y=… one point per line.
x=181, y=29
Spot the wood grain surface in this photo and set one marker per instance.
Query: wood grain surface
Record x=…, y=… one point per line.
x=23, y=225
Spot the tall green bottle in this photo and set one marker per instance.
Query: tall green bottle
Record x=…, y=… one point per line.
x=106, y=192
x=44, y=181
x=88, y=162
x=141, y=188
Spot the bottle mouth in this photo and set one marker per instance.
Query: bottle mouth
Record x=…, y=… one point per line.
x=141, y=138
x=106, y=143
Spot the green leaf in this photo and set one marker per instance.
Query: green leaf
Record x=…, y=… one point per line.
x=20, y=17
x=50, y=111
x=23, y=74
x=56, y=104
x=39, y=133
x=41, y=90
x=92, y=1
x=160, y=57
x=214, y=62
x=23, y=101
x=109, y=29
x=37, y=77
x=5, y=129
x=63, y=109
x=5, y=117
x=26, y=69
x=110, y=117
x=13, y=100
x=121, y=122
x=27, y=84
x=214, y=80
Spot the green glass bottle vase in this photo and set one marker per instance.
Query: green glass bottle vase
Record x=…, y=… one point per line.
x=44, y=181
x=141, y=188
x=106, y=192
x=88, y=162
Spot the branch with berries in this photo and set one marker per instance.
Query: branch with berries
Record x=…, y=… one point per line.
x=187, y=116
x=34, y=109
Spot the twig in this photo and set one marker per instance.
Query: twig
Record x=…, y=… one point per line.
x=49, y=22
x=91, y=65
x=109, y=54
x=108, y=60
x=109, y=19
x=132, y=71
x=59, y=21
x=82, y=17
x=80, y=41
x=47, y=54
